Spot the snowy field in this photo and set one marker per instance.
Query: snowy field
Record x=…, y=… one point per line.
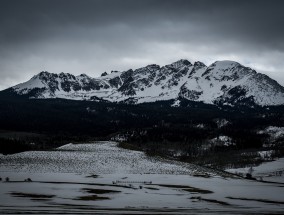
x=102, y=178
x=268, y=171
x=97, y=158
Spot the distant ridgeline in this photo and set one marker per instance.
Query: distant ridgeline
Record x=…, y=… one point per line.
x=221, y=83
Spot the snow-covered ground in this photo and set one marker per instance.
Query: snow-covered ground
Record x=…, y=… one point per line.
x=98, y=158
x=222, y=141
x=102, y=178
x=274, y=132
x=268, y=171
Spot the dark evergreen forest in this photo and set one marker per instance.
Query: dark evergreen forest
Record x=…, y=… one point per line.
x=156, y=128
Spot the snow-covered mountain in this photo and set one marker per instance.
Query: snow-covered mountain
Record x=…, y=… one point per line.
x=223, y=82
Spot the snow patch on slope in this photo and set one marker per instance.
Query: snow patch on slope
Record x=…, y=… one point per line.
x=274, y=132
x=25, y=87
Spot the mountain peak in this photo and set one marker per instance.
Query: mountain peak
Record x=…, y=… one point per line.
x=199, y=64
x=42, y=74
x=224, y=64
x=153, y=66
x=180, y=63
x=83, y=75
x=223, y=82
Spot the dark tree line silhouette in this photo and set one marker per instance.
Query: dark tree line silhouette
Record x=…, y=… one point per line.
x=156, y=128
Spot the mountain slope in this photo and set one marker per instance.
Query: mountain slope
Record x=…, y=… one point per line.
x=223, y=82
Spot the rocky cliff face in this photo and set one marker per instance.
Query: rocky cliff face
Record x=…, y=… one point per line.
x=223, y=82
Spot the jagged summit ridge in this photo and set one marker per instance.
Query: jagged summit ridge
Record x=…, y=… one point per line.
x=223, y=82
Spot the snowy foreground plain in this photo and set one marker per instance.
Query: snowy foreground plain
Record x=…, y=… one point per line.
x=102, y=178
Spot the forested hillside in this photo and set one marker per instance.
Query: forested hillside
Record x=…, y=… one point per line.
x=189, y=132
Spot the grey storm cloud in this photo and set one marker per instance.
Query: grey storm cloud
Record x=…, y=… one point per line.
x=93, y=36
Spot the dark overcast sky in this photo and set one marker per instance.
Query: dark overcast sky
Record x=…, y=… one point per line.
x=93, y=36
